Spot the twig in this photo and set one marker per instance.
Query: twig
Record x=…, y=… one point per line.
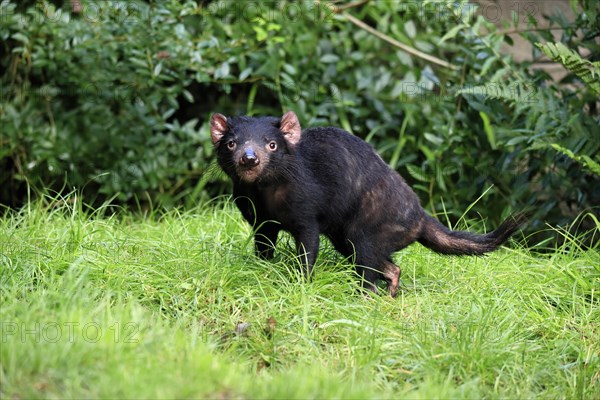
x=511, y=31
x=396, y=43
x=339, y=9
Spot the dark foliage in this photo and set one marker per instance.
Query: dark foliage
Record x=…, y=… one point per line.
x=114, y=99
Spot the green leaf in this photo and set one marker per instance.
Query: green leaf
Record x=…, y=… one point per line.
x=139, y=63
x=410, y=29
x=188, y=96
x=487, y=127
x=222, y=71
x=515, y=18
x=517, y=140
x=417, y=173
x=245, y=73
x=289, y=68
x=487, y=64
x=273, y=27
x=329, y=58
x=433, y=138
x=428, y=152
x=180, y=31
x=261, y=34
x=439, y=178
x=21, y=38
x=157, y=69
x=451, y=33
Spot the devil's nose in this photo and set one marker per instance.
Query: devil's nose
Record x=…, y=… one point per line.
x=249, y=158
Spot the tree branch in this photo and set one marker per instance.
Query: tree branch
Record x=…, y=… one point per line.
x=397, y=44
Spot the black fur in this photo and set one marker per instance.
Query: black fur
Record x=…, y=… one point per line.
x=325, y=180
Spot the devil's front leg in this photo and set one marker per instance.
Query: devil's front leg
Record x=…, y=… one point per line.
x=265, y=231
x=307, y=246
x=265, y=238
x=246, y=207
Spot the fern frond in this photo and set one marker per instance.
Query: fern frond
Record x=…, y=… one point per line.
x=518, y=92
x=587, y=71
x=417, y=174
x=584, y=160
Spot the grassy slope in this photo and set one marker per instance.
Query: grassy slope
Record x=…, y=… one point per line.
x=122, y=306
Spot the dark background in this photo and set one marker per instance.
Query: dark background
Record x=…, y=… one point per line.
x=112, y=98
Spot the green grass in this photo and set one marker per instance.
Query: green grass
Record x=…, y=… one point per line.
x=174, y=305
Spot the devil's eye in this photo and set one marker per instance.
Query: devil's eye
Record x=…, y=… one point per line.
x=272, y=145
x=231, y=145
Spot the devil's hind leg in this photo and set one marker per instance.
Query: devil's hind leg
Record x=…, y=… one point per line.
x=391, y=274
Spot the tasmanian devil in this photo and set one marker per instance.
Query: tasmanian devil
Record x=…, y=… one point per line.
x=325, y=180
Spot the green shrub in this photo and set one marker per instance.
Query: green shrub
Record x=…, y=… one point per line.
x=114, y=99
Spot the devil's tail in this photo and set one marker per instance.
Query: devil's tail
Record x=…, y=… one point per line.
x=440, y=239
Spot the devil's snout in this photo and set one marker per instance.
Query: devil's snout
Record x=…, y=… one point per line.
x=249, y=158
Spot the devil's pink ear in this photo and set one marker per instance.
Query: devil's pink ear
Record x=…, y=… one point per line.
x=218, y=126
x=290, y=126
